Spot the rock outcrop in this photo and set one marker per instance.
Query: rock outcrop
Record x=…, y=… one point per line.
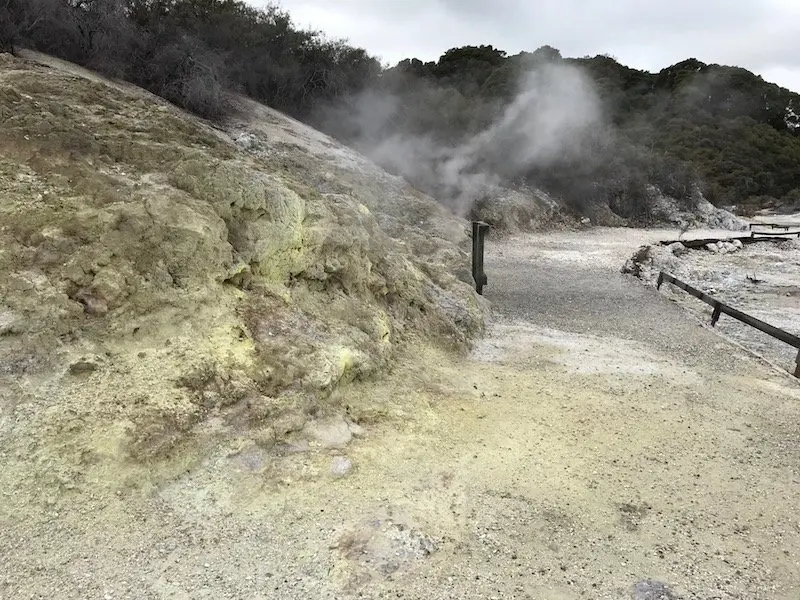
x=513, y=211
x=160, y=277
x=702, y=214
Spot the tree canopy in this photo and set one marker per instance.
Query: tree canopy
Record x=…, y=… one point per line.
x=192, y=51
x=692, y=126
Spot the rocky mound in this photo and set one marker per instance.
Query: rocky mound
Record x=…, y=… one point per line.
x=162, y=279
x=513, y=211
x=675, y=259
x=668, y=211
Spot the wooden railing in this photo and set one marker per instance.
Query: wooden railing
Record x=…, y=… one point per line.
x=753, y=238
x=772, y=234
x=721, y=308
x=775, y=225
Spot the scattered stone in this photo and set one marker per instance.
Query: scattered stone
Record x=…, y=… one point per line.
x=727, y=247
x=20, y=282
x=110, y=286
x=356, y=429
x=330, y=433
x=74, y=272
x=210, y=398
x=678, y=249
x=85, y=365
x=247, y=141
x=9, y=323
x=341, y=466
x=631, y=267
x=93, y=305
x=653, y=590
x=253, y=458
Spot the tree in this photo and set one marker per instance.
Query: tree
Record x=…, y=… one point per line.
x=17, y=19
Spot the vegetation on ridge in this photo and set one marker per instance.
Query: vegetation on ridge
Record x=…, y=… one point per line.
x=725, y=129
x=690, y=128
x=192, y=51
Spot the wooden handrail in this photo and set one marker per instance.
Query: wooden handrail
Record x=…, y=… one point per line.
x=775, y=225
x=722, y=308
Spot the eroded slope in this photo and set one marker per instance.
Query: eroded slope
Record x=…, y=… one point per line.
x=159, y=281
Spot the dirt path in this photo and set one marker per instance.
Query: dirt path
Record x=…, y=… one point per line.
x=762, y=280
x=598, y=444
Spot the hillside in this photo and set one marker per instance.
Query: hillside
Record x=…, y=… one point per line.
x=584, y=136
x=595, y=133
x=164, y=281
x=233, y=364
x=740, y=133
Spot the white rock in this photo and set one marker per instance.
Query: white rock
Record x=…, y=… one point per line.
x=728, y=247
x=329, y=433
x=355, y=429
x=341, y=466
x=677, y=248
x=247, y=141
x=9, y=323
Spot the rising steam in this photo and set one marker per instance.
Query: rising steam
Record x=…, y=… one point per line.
x=555, y=112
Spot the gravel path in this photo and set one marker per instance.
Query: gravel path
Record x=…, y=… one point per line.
x=572, y=282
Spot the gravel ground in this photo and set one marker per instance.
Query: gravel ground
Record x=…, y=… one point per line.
x=572, y=282
x=761, y=279
x=598, y=444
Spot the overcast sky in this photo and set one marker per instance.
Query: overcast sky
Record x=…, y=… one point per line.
x=760, y=35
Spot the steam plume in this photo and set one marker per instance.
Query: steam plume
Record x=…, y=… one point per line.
x=552, y=117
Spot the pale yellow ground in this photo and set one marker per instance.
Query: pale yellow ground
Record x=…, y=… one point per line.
x=551, y=463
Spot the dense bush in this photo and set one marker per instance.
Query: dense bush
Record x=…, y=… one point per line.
x=692, y=126
x=193, y=51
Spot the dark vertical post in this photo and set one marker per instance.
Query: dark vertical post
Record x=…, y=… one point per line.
x=715, y=315
x=479, y=229
x=797, y=366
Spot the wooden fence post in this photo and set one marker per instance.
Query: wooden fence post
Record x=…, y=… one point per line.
x=479, y=229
